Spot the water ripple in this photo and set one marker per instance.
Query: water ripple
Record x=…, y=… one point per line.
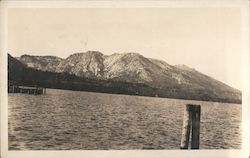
x=67, y=120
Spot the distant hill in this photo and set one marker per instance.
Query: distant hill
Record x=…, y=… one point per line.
x=161, y=78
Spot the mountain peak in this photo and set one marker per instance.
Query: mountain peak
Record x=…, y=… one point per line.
x=94, y=52
x=184, y=67
x=88, y=53
x=39, y=57
x=26, y=56
x=131, y=54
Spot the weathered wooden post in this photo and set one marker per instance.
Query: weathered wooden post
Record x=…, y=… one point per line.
x=196, y=127
x=186, y=127
x=191, y=117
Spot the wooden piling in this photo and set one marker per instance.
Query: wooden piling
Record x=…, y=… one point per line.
x=191, y=117
x=196, y=127
x=186, y=127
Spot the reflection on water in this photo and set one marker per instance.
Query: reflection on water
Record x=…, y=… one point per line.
x=68, y=120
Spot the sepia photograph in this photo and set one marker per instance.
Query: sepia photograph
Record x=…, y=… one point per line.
x=122, y=78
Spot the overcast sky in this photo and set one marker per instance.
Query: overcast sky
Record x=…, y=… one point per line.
x=207, y=39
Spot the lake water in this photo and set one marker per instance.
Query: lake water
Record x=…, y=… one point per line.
x=70, y=120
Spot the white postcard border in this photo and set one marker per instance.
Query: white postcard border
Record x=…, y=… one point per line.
x=244, y=5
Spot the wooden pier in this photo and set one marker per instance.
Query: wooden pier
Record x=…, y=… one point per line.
x=25, y=89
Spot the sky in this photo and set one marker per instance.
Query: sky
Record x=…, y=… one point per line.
x=207, y=39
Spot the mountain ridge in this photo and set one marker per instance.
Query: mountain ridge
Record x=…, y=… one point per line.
x=133, y=68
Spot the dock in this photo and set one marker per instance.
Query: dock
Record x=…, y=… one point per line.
x=25, y=89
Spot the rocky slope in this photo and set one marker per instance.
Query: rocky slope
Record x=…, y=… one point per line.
x=134, y=68
x=44, y=63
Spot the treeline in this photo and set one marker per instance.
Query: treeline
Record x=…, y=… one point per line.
x=31, y=77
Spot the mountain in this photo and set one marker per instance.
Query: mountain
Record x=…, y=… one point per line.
x=88, y=64
x=129, y=67
x=22, y=75
x=15, y=66
x=44, y=63
x=173, y=80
